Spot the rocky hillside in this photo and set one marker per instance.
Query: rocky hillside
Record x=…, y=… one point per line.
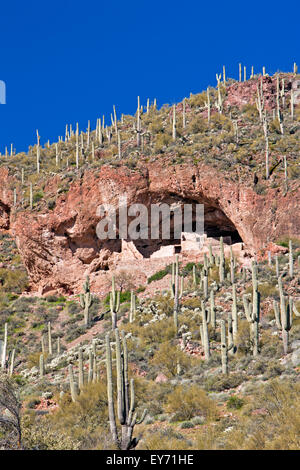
x=210, y=148
x=215, y=361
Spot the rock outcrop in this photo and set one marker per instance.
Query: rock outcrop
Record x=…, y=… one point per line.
x=60, y=246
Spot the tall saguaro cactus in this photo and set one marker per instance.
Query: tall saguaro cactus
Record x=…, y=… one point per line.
x=207, y=105
x=4, y=348
x=38, y=152
x=80, y=369
x=125, y=396
x=284, y=319
x=49, y=339
x=252, y=311
x=42, y=366
x=175, y=291
x=212, y=309
x=73, y=387
x=234, y=312
x=114, y=300
x=222, y=262
x=204, y=331
x=291, y=259
x=132, y=307
x=225, y=348
x=138, y=124
x=174, y=123
x=86, y=300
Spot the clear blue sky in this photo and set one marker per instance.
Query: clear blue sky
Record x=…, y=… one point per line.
x=69, y=61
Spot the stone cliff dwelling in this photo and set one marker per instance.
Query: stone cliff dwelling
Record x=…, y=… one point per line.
x=190, y=243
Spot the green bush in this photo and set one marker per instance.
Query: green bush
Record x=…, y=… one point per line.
x=235, y=403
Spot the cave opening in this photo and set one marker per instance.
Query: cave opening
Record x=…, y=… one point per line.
x=216, y=224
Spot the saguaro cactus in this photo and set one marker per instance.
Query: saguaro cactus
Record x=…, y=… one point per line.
x=49, y=338
x=12, y=361
x=125, y=396
x=252, y=311
x=114, y=300
x=212, y=309
x=91, y=366
x=291, y=259
x=38, y=152
x=132, y=307
x=284, y=320
x=174, y=123
x=184, y=113
x=138, y=124
x=222, y=262
x=204, y=331
x=266, y=134
x=73, y=387
x=86, y=300
x=205, y=283
x=58, y=346
x=4, y=347
x=234, y=312
x=175, y=291
x=220, y=100
x=80, y=369
x=119, y=145
x=224, y=348
x=42, y=366
x=194, y=277
x=232, y=266
x=277, y=265
x=207, y=105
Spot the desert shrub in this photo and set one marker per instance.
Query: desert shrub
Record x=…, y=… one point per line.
x=74, y=308
x=259, y=188
x=187, y=425
x=191, y=401
x=243, y=340
x=40, y=434
x=192, y=303
x=197, y=100
x=167, y=358
x=38, y=196
x=220, y=121
x=268, y=290
x=198, y=420
x=159, y=274
x=250, y=111
x=162, y=140
x=31, y=403
x=55, y=298
x=124, y=297
x=197, y=125
x=153, y=333
x=13, y=280
x=278, y=428
x=33, y=359
x=166, y=439
x=156, y=125
x=235, y=403
x=226, y=382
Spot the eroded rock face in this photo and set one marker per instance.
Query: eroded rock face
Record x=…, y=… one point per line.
x=60, y=247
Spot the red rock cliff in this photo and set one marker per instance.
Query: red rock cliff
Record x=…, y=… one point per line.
x=60, y=247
